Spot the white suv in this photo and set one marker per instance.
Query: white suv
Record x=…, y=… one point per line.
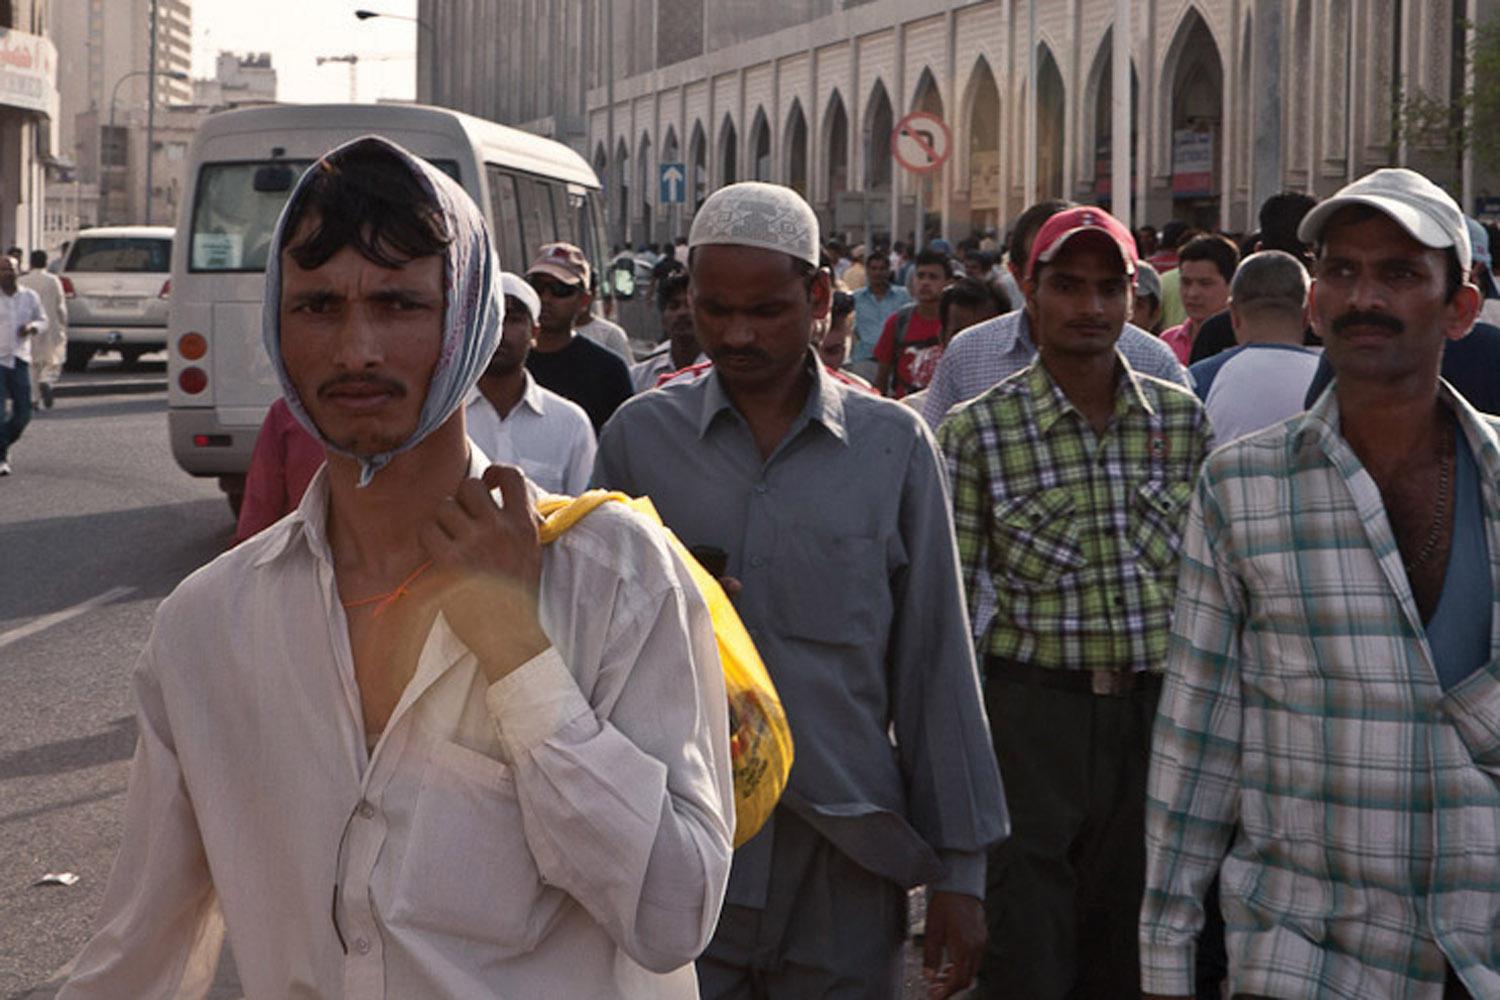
x=116, y=280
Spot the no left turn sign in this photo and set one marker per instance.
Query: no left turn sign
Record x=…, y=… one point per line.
x=921, y=142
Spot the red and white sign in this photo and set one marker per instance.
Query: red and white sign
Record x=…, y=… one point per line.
x=921, y=142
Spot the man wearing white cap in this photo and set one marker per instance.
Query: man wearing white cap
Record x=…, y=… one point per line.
x=1070, y=485
x=392, y=744
x=856, y=608
x=1328, y=739
x=514, y=421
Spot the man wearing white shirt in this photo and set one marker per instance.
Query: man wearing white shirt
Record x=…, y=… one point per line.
x=392, y=745
x=21, y=319
x=49, y=345
x=514, y=421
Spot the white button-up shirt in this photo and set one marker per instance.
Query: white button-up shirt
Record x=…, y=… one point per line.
x=564, y=832
x=548, y=436
x=17, y=311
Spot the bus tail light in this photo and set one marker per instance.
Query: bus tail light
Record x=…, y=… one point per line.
x=192, y=346
x=166, y=289
x=192, y=380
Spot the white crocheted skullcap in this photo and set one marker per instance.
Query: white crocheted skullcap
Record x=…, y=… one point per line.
x=755, y=214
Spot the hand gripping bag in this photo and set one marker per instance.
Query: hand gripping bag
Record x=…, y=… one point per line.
x=760, y=741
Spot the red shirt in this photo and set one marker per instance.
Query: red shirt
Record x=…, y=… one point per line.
x=284, y=461
x=921, y=348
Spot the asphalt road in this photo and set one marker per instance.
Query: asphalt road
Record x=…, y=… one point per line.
x=96, y=526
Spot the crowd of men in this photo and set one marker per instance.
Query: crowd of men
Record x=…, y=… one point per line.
x=1164, y=668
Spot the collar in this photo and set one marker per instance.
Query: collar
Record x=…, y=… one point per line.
x=1049, y=403
x=825, y=402
x=309, y=522
x=531, y=396
x=1011, y=332
x=1319, y=428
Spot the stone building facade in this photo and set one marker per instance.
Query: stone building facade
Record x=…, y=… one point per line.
x=28, y=118
x=1233, y=99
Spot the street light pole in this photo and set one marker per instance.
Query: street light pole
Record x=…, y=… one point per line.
x=365, y=15
x=151, y=116
x=114, y=95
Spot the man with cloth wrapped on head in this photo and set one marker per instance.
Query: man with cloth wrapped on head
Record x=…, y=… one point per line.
x=392, y=744
x=857, y=610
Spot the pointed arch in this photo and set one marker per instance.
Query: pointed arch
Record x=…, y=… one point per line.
x=645, y=180
x=697, y=165
x=761, y=167
x=927, y=95
x=875, y=131
x=727, y=155
x=1051, y=117
x=1193, y=112
x=835, y=141
x=622, y=199
x=1099, y=120
x=978, y=140
x=794, y=150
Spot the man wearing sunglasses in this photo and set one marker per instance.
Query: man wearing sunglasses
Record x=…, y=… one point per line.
x=570, y=365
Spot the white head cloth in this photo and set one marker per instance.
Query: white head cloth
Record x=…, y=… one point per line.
x=471, y=314
x=753, y=214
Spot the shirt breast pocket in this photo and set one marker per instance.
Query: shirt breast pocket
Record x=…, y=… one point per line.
x=1156, y=519
x=830, y=587
x=1036, y=539
x=468, y=871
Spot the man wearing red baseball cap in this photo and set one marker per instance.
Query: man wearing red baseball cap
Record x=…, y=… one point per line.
x=1070, y=484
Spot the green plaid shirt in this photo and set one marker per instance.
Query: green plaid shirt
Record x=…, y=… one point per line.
x=1078, y=533
x=1305, y=750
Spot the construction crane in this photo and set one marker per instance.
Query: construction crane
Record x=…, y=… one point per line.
x=354, y=59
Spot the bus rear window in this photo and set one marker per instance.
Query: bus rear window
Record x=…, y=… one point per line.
x=120, y=254
x=236, y=208
x=233, y=218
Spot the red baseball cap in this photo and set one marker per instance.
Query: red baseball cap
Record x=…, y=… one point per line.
x=1065, y=225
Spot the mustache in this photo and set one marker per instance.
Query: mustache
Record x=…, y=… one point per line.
x=745, y=353
x=377, y=382
x=1383, y=321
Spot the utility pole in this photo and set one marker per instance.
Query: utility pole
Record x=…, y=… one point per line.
x=151, y=114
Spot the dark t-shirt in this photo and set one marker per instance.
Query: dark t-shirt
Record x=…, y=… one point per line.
x=589, y=375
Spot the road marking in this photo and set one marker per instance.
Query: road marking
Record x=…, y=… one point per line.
x=58, y=617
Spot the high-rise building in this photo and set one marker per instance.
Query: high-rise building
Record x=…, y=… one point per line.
x=105, y=54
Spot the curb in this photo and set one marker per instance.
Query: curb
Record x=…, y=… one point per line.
x=131, y=387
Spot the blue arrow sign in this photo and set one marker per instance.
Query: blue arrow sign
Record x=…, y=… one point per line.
x=672, y=184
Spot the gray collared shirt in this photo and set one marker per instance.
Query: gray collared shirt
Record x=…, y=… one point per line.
x=843, y=541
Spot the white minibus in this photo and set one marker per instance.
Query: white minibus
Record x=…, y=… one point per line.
x=242, y=168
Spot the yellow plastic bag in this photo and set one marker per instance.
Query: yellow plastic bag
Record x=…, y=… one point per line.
x=760, y=741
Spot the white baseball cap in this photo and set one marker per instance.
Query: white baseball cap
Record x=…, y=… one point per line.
x=1413, y=202
x=520, y=289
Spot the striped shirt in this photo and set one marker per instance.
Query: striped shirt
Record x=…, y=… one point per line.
x=1303, y=733
x=986, y=353
x=1077, y=532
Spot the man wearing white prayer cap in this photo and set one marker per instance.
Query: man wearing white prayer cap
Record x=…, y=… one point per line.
x=829, y=505
x=392, y=743
x=516, y=421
